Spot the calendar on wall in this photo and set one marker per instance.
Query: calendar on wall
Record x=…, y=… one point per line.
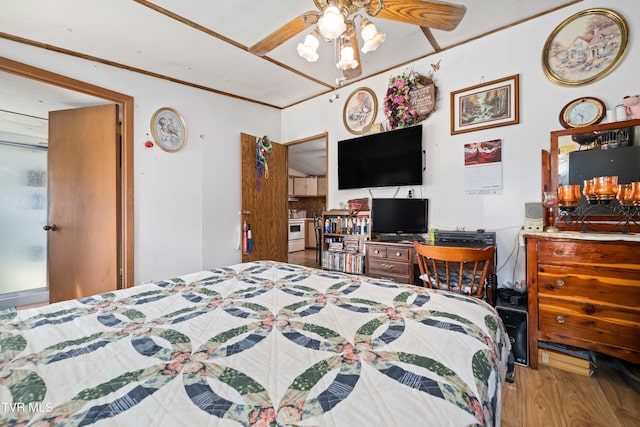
x=483, y=167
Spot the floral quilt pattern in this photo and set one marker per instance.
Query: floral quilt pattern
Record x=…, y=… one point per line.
x=255, y=344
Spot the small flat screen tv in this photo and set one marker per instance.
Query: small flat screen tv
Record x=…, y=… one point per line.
x=399, y=216
x=385, y=159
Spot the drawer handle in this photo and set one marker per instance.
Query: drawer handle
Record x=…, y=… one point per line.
x=376, y=252
x=388, y=266
x=560, y=319
x=560, y=282
x=397, y=253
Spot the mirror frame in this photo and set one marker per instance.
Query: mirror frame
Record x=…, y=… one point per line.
x=596, y=222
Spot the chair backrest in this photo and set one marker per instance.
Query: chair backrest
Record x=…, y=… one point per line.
x=454, y=269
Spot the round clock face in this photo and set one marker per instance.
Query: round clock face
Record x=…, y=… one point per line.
x=582, y=112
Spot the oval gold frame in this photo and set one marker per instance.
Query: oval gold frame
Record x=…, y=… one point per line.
x=615, y=17
x=177, y=120
x=371, y=115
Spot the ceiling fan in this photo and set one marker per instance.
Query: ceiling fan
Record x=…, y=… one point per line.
x=341, y=15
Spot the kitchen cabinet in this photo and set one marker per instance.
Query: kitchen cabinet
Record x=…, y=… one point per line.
x=584, y=291
x=308, y=186
x=310, y=240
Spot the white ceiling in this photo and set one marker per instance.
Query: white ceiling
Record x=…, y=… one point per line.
x=205, y=43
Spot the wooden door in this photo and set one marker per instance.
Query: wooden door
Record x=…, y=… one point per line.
x=84, y=202
x=267, y=207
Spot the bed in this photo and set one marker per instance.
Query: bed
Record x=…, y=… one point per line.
x=260, y=343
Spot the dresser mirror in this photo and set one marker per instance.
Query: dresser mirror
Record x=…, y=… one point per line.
x=581, y=154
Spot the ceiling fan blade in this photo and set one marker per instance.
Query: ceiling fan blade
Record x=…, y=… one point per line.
x=431, y=14
x=352, y=73
x=284, y=33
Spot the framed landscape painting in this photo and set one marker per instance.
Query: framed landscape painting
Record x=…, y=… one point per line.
x=486, y=105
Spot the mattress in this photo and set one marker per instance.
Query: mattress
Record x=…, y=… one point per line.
x=260, y=343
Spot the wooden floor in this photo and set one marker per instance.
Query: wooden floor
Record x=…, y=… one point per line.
x=550, y=397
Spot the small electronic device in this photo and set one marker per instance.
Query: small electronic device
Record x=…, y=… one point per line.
x=533, y=217
x=399, y=216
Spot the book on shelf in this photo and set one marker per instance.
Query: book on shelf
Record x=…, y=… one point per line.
x=336, y=246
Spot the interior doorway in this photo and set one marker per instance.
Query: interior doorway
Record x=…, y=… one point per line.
x=307, y=196
x=126, y=151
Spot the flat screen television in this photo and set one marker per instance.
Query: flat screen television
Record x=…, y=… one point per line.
x=385, y=159
x=399, y=216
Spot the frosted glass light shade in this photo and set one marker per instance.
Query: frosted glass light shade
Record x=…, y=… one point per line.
x=331, y=23
x=308, y=49
x=347, y=60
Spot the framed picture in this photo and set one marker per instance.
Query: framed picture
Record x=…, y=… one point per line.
x=585, y=47
x=169, y=129
x=360, y=110
x=486, y=105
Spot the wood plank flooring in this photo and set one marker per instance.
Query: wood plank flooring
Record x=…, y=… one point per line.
x=550, y=397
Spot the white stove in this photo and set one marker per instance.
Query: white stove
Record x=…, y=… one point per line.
x=296, y=234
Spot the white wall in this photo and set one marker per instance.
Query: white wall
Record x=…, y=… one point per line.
x=516, y=50
x=186, y=204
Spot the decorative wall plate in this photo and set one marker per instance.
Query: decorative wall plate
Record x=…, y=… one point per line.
x=585, y=47
x=169, y=129
x=360, y=110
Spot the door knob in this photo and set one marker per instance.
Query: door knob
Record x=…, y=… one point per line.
x=48, y=227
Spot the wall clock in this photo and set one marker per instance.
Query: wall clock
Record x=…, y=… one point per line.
x=582, y=112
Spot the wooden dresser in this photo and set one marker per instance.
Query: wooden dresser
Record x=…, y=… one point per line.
x=388, y=260
x=584, y=291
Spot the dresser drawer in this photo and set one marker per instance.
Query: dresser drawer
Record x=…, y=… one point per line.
x=603, y=285
x=588, y=325
x=601, y=254
x=389, y=266
x=389, y=252
x=399, y=278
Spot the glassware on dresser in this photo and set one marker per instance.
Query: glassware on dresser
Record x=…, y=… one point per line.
x=605, y=188
x=550, y=201
x=588, y=191
x=569, y=196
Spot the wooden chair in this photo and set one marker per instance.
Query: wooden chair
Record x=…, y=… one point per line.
x=454, y=269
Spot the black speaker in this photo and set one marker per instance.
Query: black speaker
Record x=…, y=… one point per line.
x=515, y=322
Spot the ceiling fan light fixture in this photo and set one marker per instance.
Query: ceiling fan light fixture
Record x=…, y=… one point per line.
x=331, y=24
x=309, y=49
x=372, y=38
x=347, y=60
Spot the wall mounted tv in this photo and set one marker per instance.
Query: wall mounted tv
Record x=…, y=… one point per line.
x=385, y=159
x=399, y=216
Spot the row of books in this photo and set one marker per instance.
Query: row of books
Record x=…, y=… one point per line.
x=349, y=244
x=343, y=261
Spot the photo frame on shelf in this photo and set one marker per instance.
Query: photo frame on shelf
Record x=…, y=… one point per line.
x=360, y=110
x=585, y=47
x=169, y=129
x=486, y=105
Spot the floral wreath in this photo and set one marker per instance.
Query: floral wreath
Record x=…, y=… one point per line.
x=397, y=105
x=397, y=101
